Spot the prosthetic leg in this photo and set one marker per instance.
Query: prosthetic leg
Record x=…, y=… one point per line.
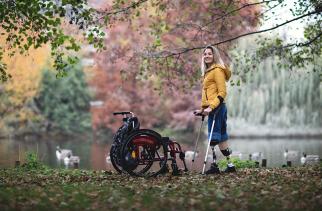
x=230, y=166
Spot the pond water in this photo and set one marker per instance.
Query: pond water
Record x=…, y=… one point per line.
x=93, y=155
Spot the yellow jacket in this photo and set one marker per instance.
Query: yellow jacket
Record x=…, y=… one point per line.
x=214, y=85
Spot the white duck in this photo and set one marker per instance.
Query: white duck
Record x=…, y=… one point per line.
x=70, y=160
x=310, y=159
x=291, y=155
x=188, y=155
x=236, y=154
x=256, y=156
x=62, y=153
x=303, y=159
x=108, y=159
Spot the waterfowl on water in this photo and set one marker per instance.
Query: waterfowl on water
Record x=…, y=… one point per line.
x=189, y=155
x=62, y=153
x=256, y=156
x=70, y=160
x=291, y=155
x=309, y=159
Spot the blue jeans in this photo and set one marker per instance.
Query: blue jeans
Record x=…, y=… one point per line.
x=219, y=133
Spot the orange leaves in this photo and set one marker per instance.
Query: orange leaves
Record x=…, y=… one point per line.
x=26, y=75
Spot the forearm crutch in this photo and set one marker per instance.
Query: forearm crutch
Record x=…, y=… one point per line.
x=209, y=139
x=196, y=145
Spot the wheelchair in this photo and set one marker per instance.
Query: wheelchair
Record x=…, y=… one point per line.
x=143, y=152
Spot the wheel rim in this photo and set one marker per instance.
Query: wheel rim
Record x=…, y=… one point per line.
x=146, y=154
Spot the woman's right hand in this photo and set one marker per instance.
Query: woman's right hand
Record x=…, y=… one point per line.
x=197, y=112
x=206, y=111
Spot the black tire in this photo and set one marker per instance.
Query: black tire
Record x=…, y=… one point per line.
x=115, y=151
x=115, y=160
x=144, y=153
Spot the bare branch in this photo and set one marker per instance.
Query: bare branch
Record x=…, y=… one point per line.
x=202, y=28
x=122, y=10
x=236, y=10
x=163, y=54
x=302, y=44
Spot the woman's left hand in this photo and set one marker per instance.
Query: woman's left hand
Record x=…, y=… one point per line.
x=207, y=111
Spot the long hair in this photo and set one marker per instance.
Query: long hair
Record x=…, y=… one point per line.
x=217, y=58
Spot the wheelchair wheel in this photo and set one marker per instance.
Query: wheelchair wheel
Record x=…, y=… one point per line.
x=144, y=153
x=115, y=158
x=115, y=151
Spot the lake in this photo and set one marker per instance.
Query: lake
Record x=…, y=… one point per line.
x=93, y=154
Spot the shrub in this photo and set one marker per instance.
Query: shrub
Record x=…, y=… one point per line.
x=32, y=162
x=238, y=163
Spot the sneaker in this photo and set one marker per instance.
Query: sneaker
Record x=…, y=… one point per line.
x=213, y=169
x=230, y=168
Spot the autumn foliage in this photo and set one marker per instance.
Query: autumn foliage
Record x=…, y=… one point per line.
x=132, y=74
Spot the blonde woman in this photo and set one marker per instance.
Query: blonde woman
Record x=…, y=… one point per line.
x=215, y=74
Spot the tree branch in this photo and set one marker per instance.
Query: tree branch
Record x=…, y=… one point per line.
x=122, y=10
x=236, y=10
x=302, y=44
x=201, y=28
x=164, y=54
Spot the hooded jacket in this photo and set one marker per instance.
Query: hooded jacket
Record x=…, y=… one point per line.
x=214, y=85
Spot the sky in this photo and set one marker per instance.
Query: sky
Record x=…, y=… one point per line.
x=291, y=31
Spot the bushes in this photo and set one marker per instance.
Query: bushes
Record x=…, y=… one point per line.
x=238, y=163
x=32, y=162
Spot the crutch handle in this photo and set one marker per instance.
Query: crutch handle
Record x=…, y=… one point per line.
x=199, y=114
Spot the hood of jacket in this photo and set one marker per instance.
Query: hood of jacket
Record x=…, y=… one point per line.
x=225, y=69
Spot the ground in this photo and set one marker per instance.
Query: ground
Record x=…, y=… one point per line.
x=297, y=188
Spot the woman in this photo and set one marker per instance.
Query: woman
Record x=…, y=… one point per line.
x=215, y=74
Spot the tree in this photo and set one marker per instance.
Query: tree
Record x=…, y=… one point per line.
x=16, y=112
x=29, y=24
x=161, y=92
x=298, y=53
x=157, y=40
x=64, y=103
x=179, y=28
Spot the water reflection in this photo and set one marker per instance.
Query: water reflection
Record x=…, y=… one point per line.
x=93, y=155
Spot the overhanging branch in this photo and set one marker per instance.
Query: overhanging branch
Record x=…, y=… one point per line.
x=236, y=10
x=164, y=54
x=301, y=44
x=122, y=10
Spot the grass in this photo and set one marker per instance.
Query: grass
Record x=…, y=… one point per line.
x=297, y=188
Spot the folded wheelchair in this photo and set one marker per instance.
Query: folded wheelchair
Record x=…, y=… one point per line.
x=143, y=152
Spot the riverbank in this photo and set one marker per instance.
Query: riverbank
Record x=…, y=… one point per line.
x=297, y=188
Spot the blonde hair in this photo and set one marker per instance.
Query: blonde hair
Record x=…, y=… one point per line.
x=217, y=59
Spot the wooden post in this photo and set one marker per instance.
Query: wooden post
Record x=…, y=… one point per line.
x=17, y=163
x=76, y=165
x=19, y=152
x=289, y=163
x=37, y=151
x=264, y=163
x=256, y=164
